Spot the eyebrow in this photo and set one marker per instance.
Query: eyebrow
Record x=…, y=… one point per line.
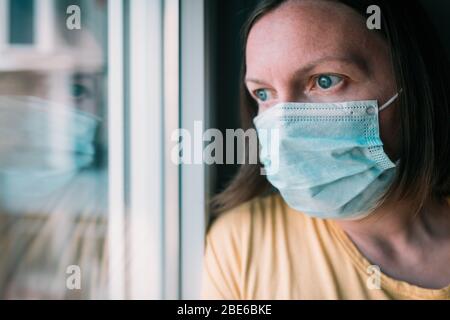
x=351, y=59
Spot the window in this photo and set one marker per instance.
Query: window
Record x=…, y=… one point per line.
x=91, y=207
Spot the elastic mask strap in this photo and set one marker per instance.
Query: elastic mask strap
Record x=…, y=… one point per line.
x=389, y=102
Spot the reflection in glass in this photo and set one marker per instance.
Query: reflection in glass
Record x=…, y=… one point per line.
x=53, y=171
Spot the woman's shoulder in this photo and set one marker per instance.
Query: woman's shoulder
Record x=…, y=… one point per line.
x=244, y=214
x=266, y=216
x=247, y=242
x=232, y=241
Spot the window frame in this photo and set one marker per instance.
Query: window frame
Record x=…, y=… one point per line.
x=151, y=94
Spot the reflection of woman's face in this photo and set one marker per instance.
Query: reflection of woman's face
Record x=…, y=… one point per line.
x=67, y=87
x=320, y=51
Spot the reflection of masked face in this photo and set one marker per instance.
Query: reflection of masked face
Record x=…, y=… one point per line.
x=82, y=90
x=42, y=147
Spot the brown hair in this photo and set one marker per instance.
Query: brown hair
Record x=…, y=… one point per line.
x=421, y=69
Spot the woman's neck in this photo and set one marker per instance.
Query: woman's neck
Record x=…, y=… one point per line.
x=396, y=220
x=412, y=248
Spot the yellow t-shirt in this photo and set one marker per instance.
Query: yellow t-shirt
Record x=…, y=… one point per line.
x=265, y=250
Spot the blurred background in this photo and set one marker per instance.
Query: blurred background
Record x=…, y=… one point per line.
x=87, y=117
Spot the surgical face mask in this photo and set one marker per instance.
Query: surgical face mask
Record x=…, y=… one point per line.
x=329, y=160
x=42, y=147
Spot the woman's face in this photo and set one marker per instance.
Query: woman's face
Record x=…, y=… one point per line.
x=321, y=51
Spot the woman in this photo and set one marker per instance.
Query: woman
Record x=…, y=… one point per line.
x=359, y=203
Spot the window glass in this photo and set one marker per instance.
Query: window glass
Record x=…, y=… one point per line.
x=53, y=164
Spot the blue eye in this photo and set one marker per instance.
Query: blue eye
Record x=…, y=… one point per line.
x=79, y=91
x=326, y=81
x=262, y=94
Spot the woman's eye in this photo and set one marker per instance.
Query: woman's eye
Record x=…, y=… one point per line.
x=327, y=81
x=80, y=91
x=262, y=94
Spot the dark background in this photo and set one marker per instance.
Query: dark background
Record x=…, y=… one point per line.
x=225, y=19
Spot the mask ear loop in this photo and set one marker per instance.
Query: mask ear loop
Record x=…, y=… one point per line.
x=389, y=102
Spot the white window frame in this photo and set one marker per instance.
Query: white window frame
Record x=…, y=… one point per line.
x=4, y=23
x=44, y=25
x=193, y=182
x=146, y=159
x=159, y=254
x=116, y=152
x=171, y=170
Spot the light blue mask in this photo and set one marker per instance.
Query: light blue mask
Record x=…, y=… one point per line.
x=329, y=160
x=43, y=146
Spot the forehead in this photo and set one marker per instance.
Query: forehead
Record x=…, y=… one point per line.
x=300, y=31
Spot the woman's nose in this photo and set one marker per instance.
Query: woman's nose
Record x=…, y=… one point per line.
x=289, y=95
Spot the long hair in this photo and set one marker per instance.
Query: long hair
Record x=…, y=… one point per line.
x=421, y=69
